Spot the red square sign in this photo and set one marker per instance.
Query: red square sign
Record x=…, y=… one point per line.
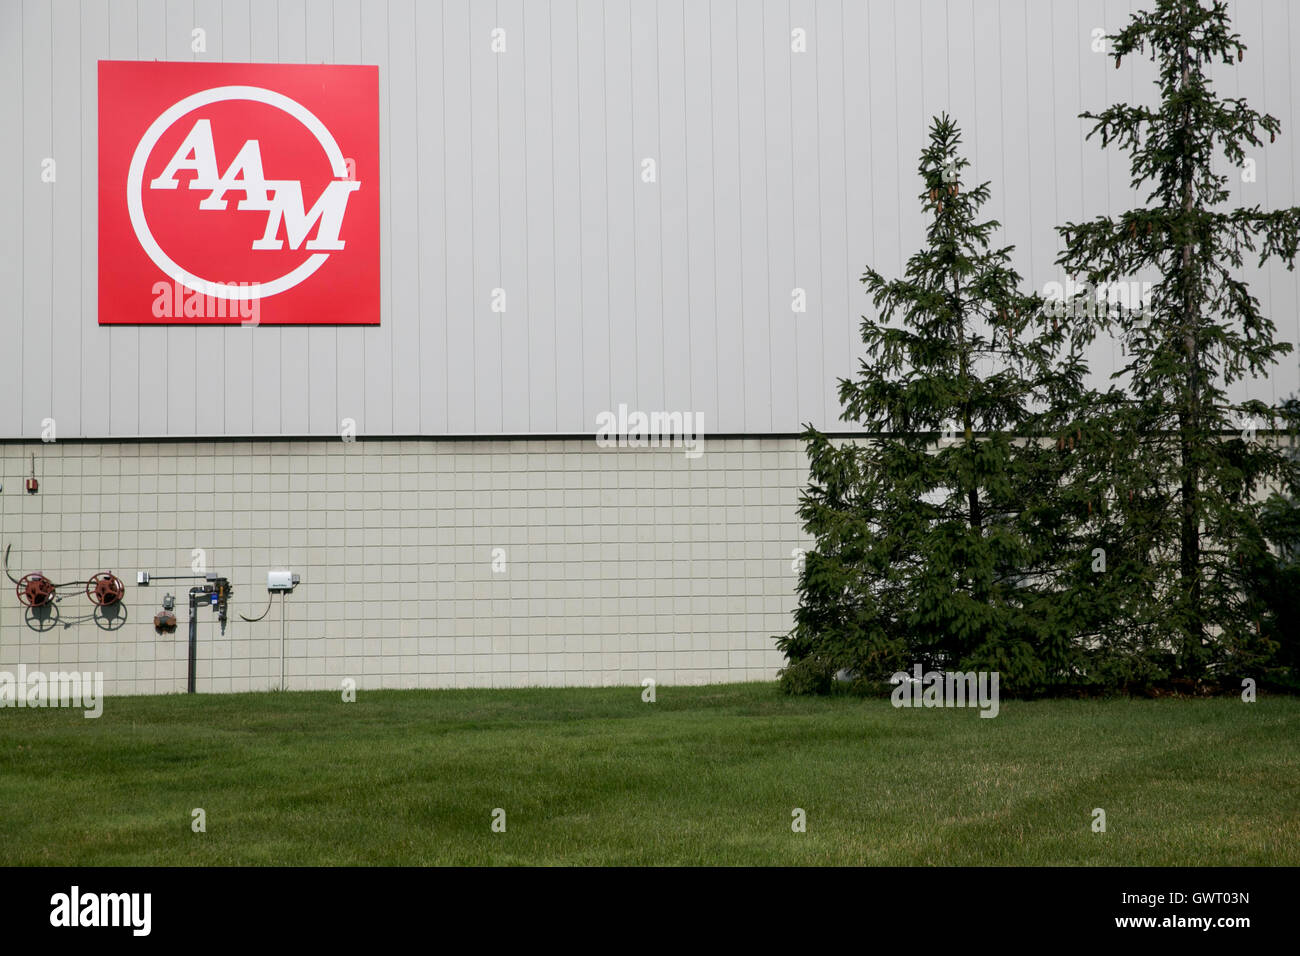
x=237, y=193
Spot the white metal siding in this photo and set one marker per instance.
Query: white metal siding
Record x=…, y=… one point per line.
x=521, y=170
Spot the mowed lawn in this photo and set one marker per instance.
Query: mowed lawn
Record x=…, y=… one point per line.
x=705, y=775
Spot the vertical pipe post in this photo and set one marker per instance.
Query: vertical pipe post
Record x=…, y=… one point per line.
x=194, y=637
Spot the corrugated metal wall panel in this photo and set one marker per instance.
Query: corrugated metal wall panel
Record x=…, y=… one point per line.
x=13, y=182
x=522, y=171
x=36, y=224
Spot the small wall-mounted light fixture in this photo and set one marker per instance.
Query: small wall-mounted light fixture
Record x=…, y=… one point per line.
x=33, y=485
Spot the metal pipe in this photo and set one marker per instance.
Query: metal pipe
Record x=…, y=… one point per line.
x=194, y=635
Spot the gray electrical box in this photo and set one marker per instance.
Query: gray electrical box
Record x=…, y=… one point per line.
x=280, y=580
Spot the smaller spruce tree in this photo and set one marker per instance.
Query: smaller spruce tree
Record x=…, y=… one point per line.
x=939, y=536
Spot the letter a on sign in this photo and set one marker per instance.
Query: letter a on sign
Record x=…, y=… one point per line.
x=240, y=188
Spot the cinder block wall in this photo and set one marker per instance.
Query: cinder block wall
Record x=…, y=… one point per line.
x=619, y=563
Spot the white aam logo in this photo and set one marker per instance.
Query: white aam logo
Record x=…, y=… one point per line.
x=280, y=199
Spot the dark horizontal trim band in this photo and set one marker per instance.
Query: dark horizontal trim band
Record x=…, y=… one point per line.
x=549, y=437
x=434, y=438
x=583, y=436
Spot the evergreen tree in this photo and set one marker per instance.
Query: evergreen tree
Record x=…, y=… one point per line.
x=1178, y=470
x=938, y=539
x=1273, y=573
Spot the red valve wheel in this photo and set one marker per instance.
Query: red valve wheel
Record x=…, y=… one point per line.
x=105, y=588
x=35, y=590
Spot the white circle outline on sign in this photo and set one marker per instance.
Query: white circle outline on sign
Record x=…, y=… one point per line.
x=135, y=183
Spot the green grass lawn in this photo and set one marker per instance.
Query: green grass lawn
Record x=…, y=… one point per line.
x=707, y=775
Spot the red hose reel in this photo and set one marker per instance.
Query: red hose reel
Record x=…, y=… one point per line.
x=35, y=590
x=105, y=589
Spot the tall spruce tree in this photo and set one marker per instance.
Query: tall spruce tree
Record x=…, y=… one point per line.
x=1178, y=470
x=938, y=539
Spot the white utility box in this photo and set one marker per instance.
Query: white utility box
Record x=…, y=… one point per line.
x=280, y=580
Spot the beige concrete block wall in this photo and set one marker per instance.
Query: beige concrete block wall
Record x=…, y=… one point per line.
x=619, y=563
